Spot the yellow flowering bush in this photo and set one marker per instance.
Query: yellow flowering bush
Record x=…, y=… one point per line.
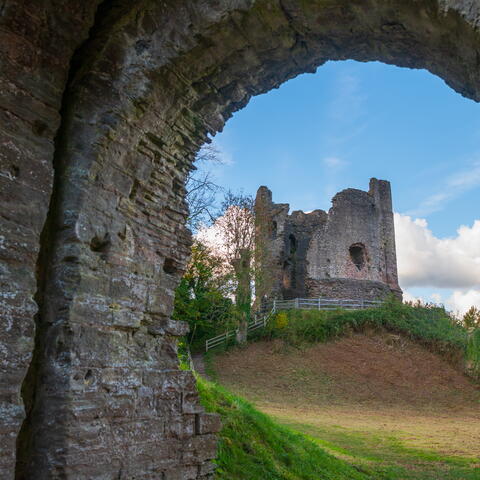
x=281, y=320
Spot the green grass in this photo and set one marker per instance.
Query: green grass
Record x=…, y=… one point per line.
x=386, y=456
x=254, y=447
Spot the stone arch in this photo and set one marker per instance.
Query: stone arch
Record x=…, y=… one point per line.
x=136, y=90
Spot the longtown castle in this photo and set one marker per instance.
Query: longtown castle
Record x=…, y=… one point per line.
x=347, y=252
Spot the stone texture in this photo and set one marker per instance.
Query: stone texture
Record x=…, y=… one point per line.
x=103, y=106
x=347, y=253
x=37, y=42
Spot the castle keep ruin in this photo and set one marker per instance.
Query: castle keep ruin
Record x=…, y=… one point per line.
x=346, y=253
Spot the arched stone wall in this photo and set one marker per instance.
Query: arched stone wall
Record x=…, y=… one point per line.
x=103, y=107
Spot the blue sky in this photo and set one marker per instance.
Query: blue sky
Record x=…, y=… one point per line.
x=318, y=134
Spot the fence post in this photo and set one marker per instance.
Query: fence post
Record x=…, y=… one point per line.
x=296, y=303
x=319, y=303
x=274, y=305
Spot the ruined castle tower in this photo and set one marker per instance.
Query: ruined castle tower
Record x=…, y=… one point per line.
x=346, y=253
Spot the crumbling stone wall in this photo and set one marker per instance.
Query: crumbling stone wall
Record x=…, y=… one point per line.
x=347, y=253
x=103, y=105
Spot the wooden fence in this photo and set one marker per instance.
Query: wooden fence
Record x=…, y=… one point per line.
x=256, y=323
x=261, y=321
x=324, y=304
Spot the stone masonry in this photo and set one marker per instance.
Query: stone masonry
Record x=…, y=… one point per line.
x=103, y=106
x=347, y=253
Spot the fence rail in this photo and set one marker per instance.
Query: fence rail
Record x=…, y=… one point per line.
x=296, y=303
x=255, y=324
x=324, y=304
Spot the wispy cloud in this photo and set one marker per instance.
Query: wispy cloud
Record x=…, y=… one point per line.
x=348, y=100
x=452, y=187
x=335, y=163
x=347, y=118
x=346, y=111
x=225, y=154
x=467, y=178
x=333, y=167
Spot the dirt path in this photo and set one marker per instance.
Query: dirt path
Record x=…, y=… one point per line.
x=199, y=365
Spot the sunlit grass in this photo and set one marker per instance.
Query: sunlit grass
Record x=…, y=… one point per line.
x=289, y=445
x=254, y=447
x=344, y=433
x=385, y=454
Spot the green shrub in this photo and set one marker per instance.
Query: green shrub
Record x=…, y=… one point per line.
x=471, y=319
x=473, y=353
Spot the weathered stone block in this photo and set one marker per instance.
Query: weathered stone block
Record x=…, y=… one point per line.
x=207, y=423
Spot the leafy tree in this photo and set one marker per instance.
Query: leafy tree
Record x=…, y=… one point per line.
x=232, y=237
x=471, y=319
x=202, y=298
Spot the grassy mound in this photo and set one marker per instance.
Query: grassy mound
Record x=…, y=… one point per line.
x=375, y=398
x=377, y=401
x=254, y=447
x=430, y=326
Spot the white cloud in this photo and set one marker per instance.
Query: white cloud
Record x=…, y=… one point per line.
x=455, y=301
x=408, y=297
x=454, y=186
x=436, y=297
x=427, y=261
x=460, y=301
x=224, y=154
x=215, y=154
x=466, y=178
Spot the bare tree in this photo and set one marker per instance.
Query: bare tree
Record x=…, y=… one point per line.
x=236, y=222
x=201, y=188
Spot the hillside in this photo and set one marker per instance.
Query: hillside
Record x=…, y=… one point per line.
x=252, y=446
x=380, y=401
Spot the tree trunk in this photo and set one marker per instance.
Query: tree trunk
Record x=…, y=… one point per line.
x=242, y=331
x=243, y=294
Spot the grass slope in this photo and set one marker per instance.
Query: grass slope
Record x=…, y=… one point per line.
x=253, y=447
x=394, y=410
x=385, y=455
x=430, y=326
x=350, y=395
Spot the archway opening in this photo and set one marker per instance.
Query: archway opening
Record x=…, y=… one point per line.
x=354, y=254
x=358, y=255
